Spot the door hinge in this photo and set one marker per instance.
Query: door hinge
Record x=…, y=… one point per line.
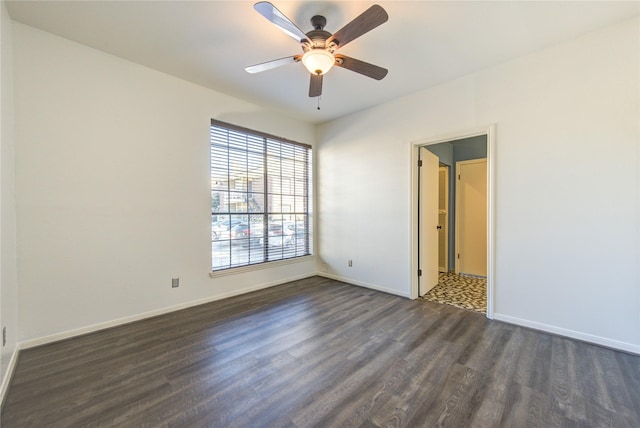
x=458, y=176
x=458, y=255
x=419, y=272
x=419, y=163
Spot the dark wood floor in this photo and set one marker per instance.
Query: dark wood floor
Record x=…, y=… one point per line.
x=318, y=352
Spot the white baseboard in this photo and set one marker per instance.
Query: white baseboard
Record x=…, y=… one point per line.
x=609, y=343
x=585, y=337
x=363, y=284
x=137, y=317
x=8, y=374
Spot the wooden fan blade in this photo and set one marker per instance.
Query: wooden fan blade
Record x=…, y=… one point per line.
x=361, y=67
x=315, y=85
x=257, y=68
x=276, y=17
x=367, y=21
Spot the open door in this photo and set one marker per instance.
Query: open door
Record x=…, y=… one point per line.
x=428, y=221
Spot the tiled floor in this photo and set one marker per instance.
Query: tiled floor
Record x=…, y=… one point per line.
x=466, y=292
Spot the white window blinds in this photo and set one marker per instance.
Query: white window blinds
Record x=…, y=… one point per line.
x=260, y=197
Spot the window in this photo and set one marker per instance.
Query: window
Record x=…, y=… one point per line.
x=260, y=197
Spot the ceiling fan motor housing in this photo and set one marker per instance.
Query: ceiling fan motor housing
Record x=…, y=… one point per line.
x=318, y=36
x=317, y=39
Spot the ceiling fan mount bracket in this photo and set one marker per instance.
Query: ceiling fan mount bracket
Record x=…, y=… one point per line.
x=318, y=22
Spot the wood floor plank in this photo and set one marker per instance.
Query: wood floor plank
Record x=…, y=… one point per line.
x=428, y=369
x=319, y=352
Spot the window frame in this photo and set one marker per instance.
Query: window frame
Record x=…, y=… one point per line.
x=303, y=240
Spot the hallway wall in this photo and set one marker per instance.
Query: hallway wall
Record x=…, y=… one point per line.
x=561, y=237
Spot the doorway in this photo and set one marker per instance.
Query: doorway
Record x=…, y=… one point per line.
x=445, y=221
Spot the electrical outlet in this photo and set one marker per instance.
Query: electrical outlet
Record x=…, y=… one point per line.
x=175, y=282
x=350, y=263
x=4, y=336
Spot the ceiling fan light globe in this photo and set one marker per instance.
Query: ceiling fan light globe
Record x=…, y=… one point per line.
x=318, y=61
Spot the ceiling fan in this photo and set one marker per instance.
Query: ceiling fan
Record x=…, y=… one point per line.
x=319, y=46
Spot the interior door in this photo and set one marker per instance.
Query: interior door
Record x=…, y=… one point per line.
x=471, y=217
x=443, y=219
x=428, y=221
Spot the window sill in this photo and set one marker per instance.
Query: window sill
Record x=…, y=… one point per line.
x=261, y=266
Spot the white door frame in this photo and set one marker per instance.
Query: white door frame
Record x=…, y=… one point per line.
x=489, y=131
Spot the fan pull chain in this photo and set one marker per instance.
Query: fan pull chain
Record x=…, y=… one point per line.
x=319, y=103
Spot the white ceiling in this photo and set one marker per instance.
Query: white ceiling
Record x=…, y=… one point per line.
x=424, y=43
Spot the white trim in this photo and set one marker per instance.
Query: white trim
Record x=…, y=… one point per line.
x=363, y=284
x=446, y=138
x=126, y=320
x=456, y=218
x=602, y=341
x=413, y=221
x=8, y=375
x=260, y=266
x=585, y=337
x=414, y=146
x=491, y=219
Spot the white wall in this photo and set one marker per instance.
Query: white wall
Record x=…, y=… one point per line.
x=567, y=195
x=112, y=185
x=8, y=267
